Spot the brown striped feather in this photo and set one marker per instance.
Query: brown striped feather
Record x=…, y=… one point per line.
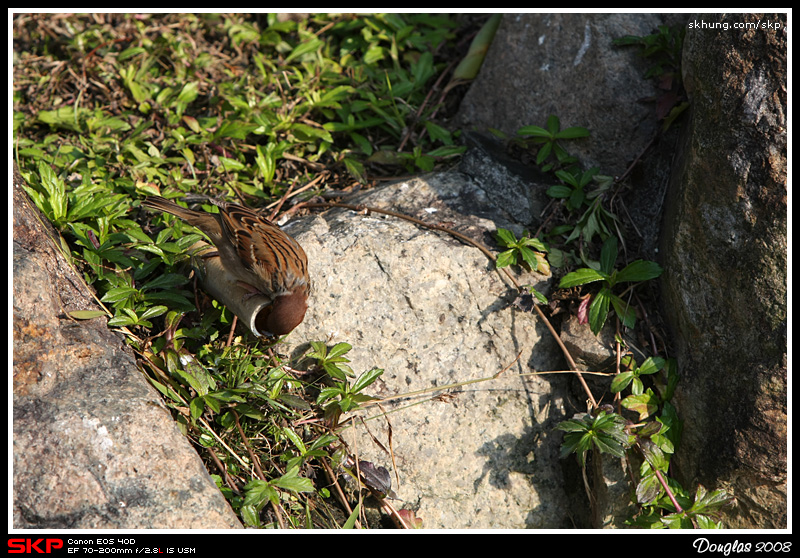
x=257, y=251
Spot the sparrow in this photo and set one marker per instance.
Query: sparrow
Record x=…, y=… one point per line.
x=262, y=257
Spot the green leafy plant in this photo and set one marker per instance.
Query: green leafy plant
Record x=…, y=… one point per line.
x=644, y=390
x=704, y=511
x=526, y=251
x=550, y=138
x=572, y=189
x=663, y=502
x=663, y=50
x=258, y=493
x=601, y=431
x=342, y=396
x=391, y=91
x=530, y=253
x=332, y=361
x=596, y=220
x=633, y=376
x=605, y=299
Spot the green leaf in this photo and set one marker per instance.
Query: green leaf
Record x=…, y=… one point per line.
x=706, y=502
x=331, y=97
x=153, y=311
x=707, y=522
x=576, y=199
x=291, y=481
x=507, y=258
x=544, y=152
x=295, y=439
x=581, y=277
x=587, y=176
x=366, y=379
x=667, y=389
x=559, y=191
x=306, y=133
x=468, y=68
x=621, y=381
x=640, y=270
x=121, y=321
x=567, y=177
x=56, y=191
x=68, y=117
x=651, y=365
x=506, y=237
x=258, y=493
x=327, y=393
x=196, y=407
x=653, y=454
x=438, y=133
x=166, y=281
x=529, y=257
x=323, y=441
x=553, y=124
x=605, y=432
x=650, y=429
x=250, y=515
x=351, y=520
x=573, y=133
x=677, y=521
x=648, y=489
x=304, y=48
x=575, y=424
x=119, y=294
x=535, y=242
x=598, y=310
x=608, y=255
x=625, y=312
x=664, y=443
x=319, y=350
x=578, y=444
x=535, y=131
x=539, y=296
x=130, y=53
x=645, y=404
x=609, y=444
x=337, y=351
x=187, y=95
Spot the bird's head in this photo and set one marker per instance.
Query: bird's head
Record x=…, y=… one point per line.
x=288, y=310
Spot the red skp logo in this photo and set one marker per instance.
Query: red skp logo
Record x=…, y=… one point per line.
x=29, y=546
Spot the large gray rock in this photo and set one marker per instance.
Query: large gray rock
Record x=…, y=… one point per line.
x=566, y=65
x=93, y=445
x=432, y=311
x=725, y=265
